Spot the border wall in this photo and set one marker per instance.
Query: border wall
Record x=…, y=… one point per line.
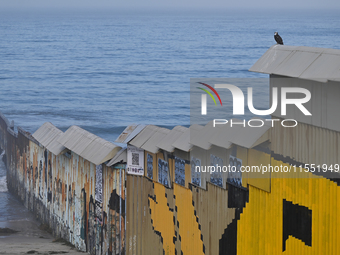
x=274, y=214
x=62, y=192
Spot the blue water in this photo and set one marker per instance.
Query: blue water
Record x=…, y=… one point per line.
x=103, y=71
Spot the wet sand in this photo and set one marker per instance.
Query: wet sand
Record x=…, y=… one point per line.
x=31, y=239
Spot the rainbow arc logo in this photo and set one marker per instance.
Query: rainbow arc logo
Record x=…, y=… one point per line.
x=204, y=97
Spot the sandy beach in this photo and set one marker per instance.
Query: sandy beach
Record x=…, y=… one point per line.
x=31, y=239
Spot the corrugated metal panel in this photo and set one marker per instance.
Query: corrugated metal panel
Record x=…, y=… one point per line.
x=48, y=135
x=248, y=136
x=143, y=136
x=296, y=63
x=201, y=139
x=171, y=221
x=170, y=138
x=304, y=62
x=87, y=145
x=82, y=202
x=324, y=102
x=214, y=215
x=183, y=142
x=193, y=221
x=61, y=191
x=62, y=187
x=307, y=144
x=113, y=227
x=327, y=65
x=269, y=61
x=76, y=139
x=121, y=156
x=129, y=133
x=151, y=144
x=224, y=135
x=305, y=193
x=256, y=179
x=100, y=151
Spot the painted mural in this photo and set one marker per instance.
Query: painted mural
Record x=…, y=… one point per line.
x=149, y=166
x=179, y=171
x=242, y=219
x=195, y=175
x=81, y=202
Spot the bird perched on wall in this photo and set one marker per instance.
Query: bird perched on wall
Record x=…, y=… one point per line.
x=278, y=38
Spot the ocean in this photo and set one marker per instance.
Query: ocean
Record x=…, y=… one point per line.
x=105, y=70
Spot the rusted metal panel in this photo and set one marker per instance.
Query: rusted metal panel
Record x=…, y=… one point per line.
x=114, y=210
x=63, y=191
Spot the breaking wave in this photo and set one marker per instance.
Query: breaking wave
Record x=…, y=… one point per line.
x=3, y=180
x=3, y=184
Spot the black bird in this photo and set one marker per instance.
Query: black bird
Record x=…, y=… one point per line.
x=278, y=38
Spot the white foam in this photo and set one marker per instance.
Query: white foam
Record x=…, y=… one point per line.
x=3, y=184
x=3, y=180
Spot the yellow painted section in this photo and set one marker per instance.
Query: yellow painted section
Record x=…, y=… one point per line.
x=259, y=160
x=163, y=218
x=260, y=228
x=191, y=242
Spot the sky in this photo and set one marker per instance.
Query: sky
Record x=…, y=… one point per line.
x=167, y=4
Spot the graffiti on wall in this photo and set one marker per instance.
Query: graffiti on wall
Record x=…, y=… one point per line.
x=149, y=166
x=235, y=176
x=163, y=172
x=195, y=175
x=216, y=177
x=99, y=192
x=179, y=171
x=67, y=193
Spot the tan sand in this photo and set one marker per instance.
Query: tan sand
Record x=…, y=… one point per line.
x=30, y=239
